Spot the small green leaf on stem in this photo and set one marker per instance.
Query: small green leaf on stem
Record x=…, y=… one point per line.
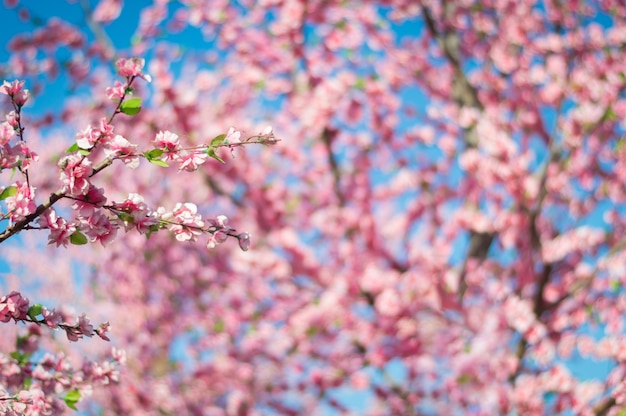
x=153, y=156
x=35, y=311
x=158, y=162
x=218, y=140
x=71, y=398
x=211, y=152
x=78, y=238
x=131, y=107
x=7, y=192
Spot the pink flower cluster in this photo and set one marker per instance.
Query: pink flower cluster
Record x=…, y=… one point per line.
x=22, y=203
x=16, y=91
x=94, y=220
x=132, y=67
x=41, y=387
x=17, y=308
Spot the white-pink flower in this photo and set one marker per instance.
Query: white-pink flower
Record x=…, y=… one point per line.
x=132, y=67
x=120, y=148
x=190, y=161
x=168, y=142
x=75, y=173
x=116, y=92
x=21, y=204
x=233, y=136
x=186, y=223
x=388, y=302
x=60, y=230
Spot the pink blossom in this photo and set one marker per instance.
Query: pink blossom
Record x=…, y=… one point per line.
x=99, y=228
x=7, y=132
x=360, y=380
x=132, y=68
x=216, y=238
x=116, y=92
x=141, y=217
x=21, y=98
x=581, y=238
x=388, y=303
x=103, y=328
x=190, y=161
x=244, y=241
x=24, y=154
x=52, y=317
x=21, y=204
x=12, y=88
x=120, y=148
x=519, y=314
x=185, y=222
x=87, y=138
x=85, y=326
x=88, y=203
x=75, y=173
x=60, y=230
x=13, y=306
x=168, y=142
x=107, y=10
x=267, y=131
x=13, y=120
x=232, y=136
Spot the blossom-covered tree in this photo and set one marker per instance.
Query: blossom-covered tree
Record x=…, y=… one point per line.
x=440, y=231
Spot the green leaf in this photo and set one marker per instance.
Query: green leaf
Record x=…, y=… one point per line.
x=71, y=398
x=7, y=192
x=20, y=357
x=218, y=140
x=126, y=217
x=35, y=311
x=211, y=152
x=360, y=84
x=78, y=238
x=74, y=148
x=312, y=331
x=463, y=379
x=218, y=326
x=158, y=162
x=131, y=107
x=609, y=114
x=616, y=285
x=153, y=154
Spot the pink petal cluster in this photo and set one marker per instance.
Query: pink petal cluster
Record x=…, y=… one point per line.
x=13, y=306
x=139, y=215
x=21, y=204
x=184, y=220
x=120, y=148
x=60, y=230
x=16, y=91
x=132, y=67
x=75, y=173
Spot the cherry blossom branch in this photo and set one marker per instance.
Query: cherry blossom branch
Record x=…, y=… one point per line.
x=41, y=387
x=77, y=170
x=466, y=96
x=327, y=138
x=17, y=308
